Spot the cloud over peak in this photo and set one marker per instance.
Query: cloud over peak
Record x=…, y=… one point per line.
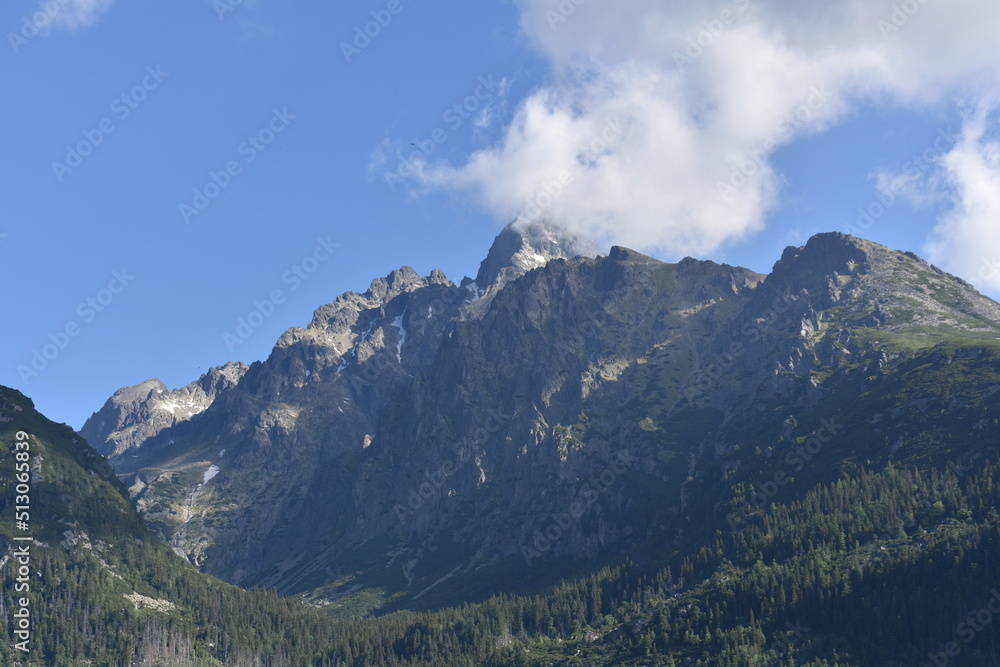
x=658, y=122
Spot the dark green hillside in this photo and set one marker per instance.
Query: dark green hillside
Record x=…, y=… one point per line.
x=880, y=564
x=587, y=461
x=102, y=589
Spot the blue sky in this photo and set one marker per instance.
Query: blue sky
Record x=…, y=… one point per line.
x=164, y=166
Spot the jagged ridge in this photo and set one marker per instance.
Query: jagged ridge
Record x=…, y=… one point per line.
x=422, y=431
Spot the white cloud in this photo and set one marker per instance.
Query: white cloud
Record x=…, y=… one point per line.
x=704, y=96
x=71, y=14
x=966, y=240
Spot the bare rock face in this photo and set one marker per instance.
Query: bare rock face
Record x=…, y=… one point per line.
x=135, y=414
x=879, y=286
x=560, y=406
x=520, y=248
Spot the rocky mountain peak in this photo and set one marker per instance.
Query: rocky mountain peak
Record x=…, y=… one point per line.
x=521, y=247
x=422, y=409
x=623, y=254
x=826, y=254
x=438, y=277
x=221, y=378
x=397, y=282
x=874, y=286
x=136, y=413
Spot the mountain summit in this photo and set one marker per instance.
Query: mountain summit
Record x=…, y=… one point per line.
x=424, y=442
x=135, y=414
x=522, y=246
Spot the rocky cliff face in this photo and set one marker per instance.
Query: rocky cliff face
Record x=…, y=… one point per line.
x=135, y=414
x=287, y=437
x=519, y=248
x=524, y=406
x=424, y=437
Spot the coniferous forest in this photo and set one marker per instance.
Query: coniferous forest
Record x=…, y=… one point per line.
x=883, y=567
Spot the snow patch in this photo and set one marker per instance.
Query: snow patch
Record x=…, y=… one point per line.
x=212, y=471
x=172, y=406
x=364, y=337
x=368, y=331
x=398, y=323
x=222, y=452
x=475, y=291
x=430, y=312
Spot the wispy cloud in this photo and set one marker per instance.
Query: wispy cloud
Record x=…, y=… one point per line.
x=967, y=237
x=704, y=97
x=72, y=14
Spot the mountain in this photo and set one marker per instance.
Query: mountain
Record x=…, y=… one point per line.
x=135, y=414
x=85, y=582
x=519, y=248
x=316, y=400
x=101, y=590
x=606, y=420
